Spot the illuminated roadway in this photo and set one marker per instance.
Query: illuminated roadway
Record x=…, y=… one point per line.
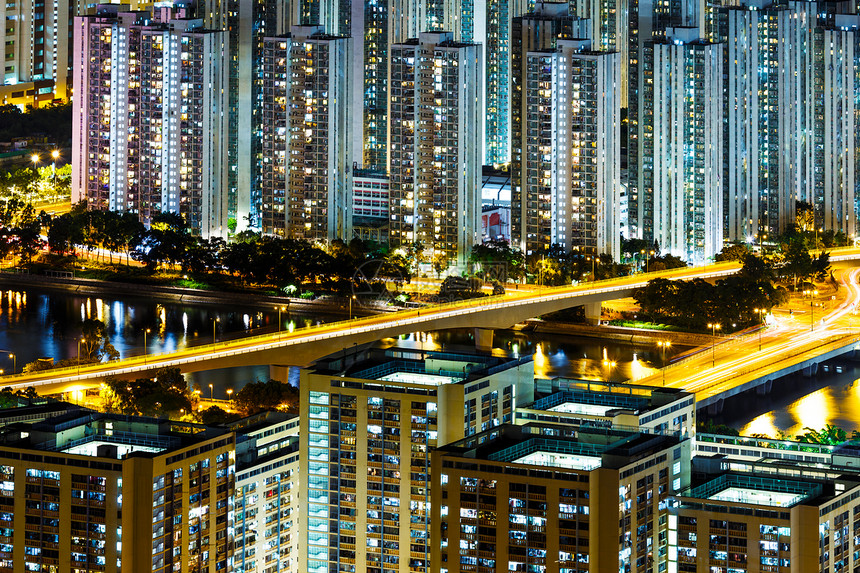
x=787, y=345
x=303, y=346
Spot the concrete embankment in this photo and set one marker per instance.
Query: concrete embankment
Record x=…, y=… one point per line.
x=621, y=334
x=92, y=287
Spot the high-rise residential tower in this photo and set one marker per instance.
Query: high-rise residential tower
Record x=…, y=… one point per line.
x=679, y=179
x=647, y=20
x=318, y=199
x=838, y=126
x=273, y=163
x=788, y=77
x=373, y=419
x=88, y=491
x=536, y=31
x=571, y=133
x=304, y=168
x=436, y=134
x=149, y=131
x=37, y=39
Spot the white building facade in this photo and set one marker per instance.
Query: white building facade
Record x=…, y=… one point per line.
x=149, y=123
x=681, y=175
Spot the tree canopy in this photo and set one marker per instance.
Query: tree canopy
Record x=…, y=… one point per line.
x=164, y=395
x=271, y=395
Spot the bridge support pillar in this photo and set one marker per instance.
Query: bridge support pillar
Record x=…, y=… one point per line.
x=484, y=339
x=284, y=374
x=592, y=312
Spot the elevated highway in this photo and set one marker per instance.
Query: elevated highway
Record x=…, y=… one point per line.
x=708, y=376
x=303, y=346
x=753, y=362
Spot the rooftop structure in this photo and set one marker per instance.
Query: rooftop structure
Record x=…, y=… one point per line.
x=266, y=484
x=602, y=404
x=519, y=498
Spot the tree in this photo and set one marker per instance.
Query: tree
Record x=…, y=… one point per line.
x=94, y=342
x=665, y=262
x=497, y=252
x=166, y=241
x=829, y=435
x=799, y=265
x=165, y=395
x=439, y=262
x=735, y=252
x=60, y=234
x=213, y=416
x=259, y=396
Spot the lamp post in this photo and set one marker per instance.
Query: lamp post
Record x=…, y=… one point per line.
x=811, y=293
x=211, y=393
x=351, y=298
x=714, y=328
x=215, y=321
x=79, y=354
x=229, y=394
x=55, y=154
x=760, y=312
x=14, y=362
x=663, y=344
x=145, y=332
x=280, y=310
x=592, y=259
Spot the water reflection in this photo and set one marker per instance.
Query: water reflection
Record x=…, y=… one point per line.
x=796, y=403
x=553, y=354
x=41, y=324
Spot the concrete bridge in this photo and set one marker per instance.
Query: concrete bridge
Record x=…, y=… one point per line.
x=303, y=346
x=761, y=376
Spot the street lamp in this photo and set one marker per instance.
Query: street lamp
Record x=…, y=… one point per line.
x=55, y=154
x=211, y=393
x=714, y=328
x=229, y=394
x=811, y=293
x=35, y=159
x=145, y=332
x=81, y=339
x=760, y=312
x=592, y=259
x=14, y=362
x=663, y=344
x=280, y=310
x=215, y=321
x=352, y=298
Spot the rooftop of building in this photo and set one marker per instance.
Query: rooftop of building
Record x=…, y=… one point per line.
x=756, y=490
x=415, y=366
x=112, y=436
x=769, y=484
x=583, y=448
x=598, y=398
